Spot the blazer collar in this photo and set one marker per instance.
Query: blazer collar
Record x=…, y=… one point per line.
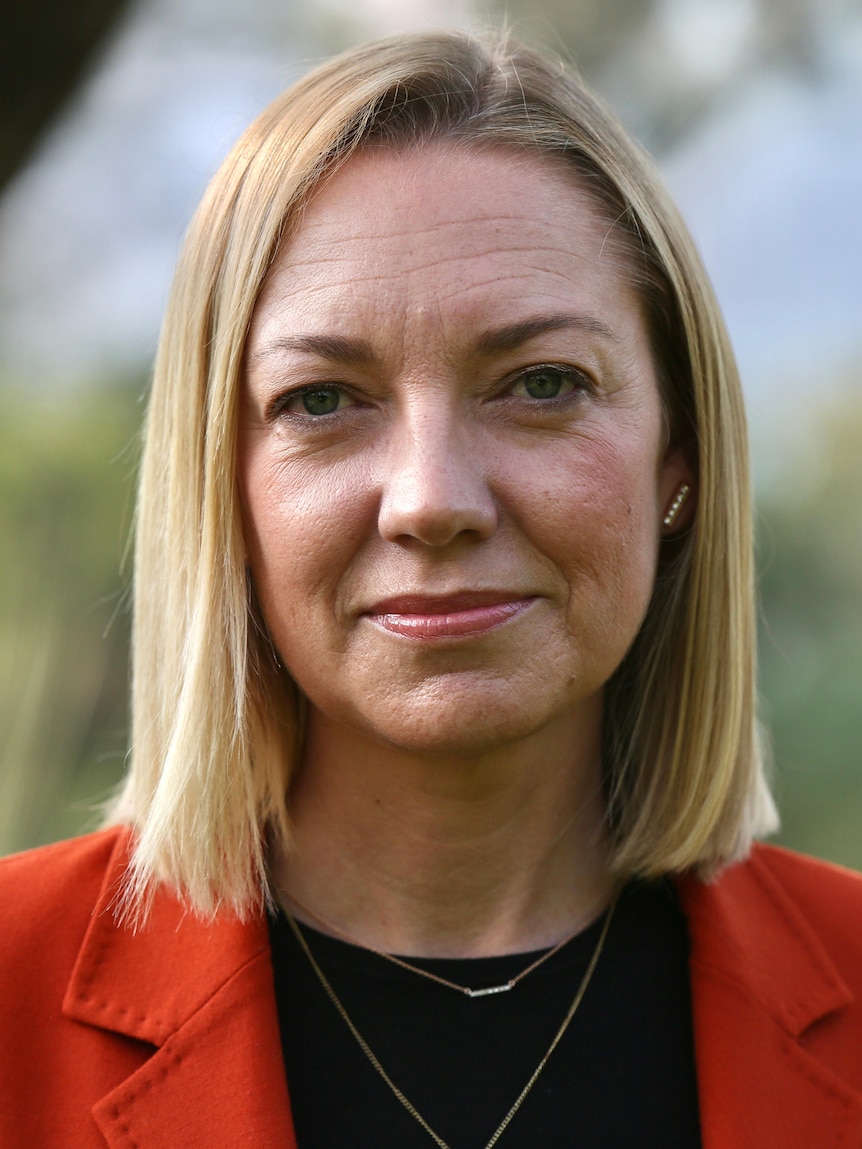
x=202, y=994
x=760, y=979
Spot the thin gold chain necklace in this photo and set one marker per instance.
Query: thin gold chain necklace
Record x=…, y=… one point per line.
x=504, y=987
x=534, y=1076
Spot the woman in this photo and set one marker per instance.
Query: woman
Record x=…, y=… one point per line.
x=445, y=774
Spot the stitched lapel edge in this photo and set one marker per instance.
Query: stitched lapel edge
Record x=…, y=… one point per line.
x=203, y=993
x=760, y=977
x=746, y=925
x=217, y=1083
x=148, y=983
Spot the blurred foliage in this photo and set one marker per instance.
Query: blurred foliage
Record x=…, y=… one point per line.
x=810, y=528
x=666, y=65
x=66, y=485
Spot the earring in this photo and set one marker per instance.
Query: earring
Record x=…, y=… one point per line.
x=677, y=505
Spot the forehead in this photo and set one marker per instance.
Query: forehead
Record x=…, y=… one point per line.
x=446, y=229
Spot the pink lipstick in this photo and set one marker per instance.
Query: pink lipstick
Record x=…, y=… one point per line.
x=451, y=616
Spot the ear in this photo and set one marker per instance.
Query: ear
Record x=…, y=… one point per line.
x=677, y=492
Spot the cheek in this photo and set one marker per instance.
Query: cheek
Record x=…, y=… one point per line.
x=628, y=556
x=597, y=517
x=302, y=527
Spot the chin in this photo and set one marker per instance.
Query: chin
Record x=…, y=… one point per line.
x=465, y=723
x=456, y=739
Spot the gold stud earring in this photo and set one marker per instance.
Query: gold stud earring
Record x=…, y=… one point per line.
x=677, y=505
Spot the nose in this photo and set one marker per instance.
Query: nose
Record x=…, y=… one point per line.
x=435, y=488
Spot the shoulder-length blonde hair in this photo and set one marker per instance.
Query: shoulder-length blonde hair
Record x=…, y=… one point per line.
x=215, y=723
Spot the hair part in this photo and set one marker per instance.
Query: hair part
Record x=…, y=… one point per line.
x=216, y=723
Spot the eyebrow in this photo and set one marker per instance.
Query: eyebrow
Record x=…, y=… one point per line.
x=335, y=348
x=514, y=334
x=359, y=353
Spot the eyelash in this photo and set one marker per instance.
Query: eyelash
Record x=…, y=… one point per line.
x=280, y=405
x=579, y=380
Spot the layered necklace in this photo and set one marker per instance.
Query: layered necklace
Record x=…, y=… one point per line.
x=486, y=991
x=504, y=987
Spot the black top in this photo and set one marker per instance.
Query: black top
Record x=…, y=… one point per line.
x=622, y=1077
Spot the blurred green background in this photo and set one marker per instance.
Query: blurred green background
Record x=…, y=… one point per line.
x=71, y=406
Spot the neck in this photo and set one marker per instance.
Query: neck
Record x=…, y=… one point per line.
x=449, y=855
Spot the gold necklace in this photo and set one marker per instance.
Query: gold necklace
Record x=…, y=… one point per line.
x=504, y=987
x=408, y=1105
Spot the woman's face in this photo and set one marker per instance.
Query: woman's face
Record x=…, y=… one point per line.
x=451, y=458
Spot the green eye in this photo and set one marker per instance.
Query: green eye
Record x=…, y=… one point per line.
x=543, y=383
x=321, y=401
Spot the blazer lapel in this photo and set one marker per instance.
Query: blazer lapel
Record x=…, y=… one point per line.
x=199, y=999
x=202, y=994
x=760, y=979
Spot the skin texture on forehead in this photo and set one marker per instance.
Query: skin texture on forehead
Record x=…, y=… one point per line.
x=408, y=194
x=376, y=255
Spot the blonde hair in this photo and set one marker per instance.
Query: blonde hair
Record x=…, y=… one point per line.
x=215, y=723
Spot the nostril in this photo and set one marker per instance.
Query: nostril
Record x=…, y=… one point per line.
x=435, y=527
x=434, y=506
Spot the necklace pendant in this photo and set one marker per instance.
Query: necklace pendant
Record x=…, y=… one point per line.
x=489, y=990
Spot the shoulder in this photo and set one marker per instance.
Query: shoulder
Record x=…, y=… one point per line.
x=72, y=868
x=829, y=897
x=47, y=897
x=810, y=878
x=779, y=918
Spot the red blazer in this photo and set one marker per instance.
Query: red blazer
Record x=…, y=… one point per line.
x=168, y=1038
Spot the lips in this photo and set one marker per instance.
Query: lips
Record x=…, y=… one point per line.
x=448, y=616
